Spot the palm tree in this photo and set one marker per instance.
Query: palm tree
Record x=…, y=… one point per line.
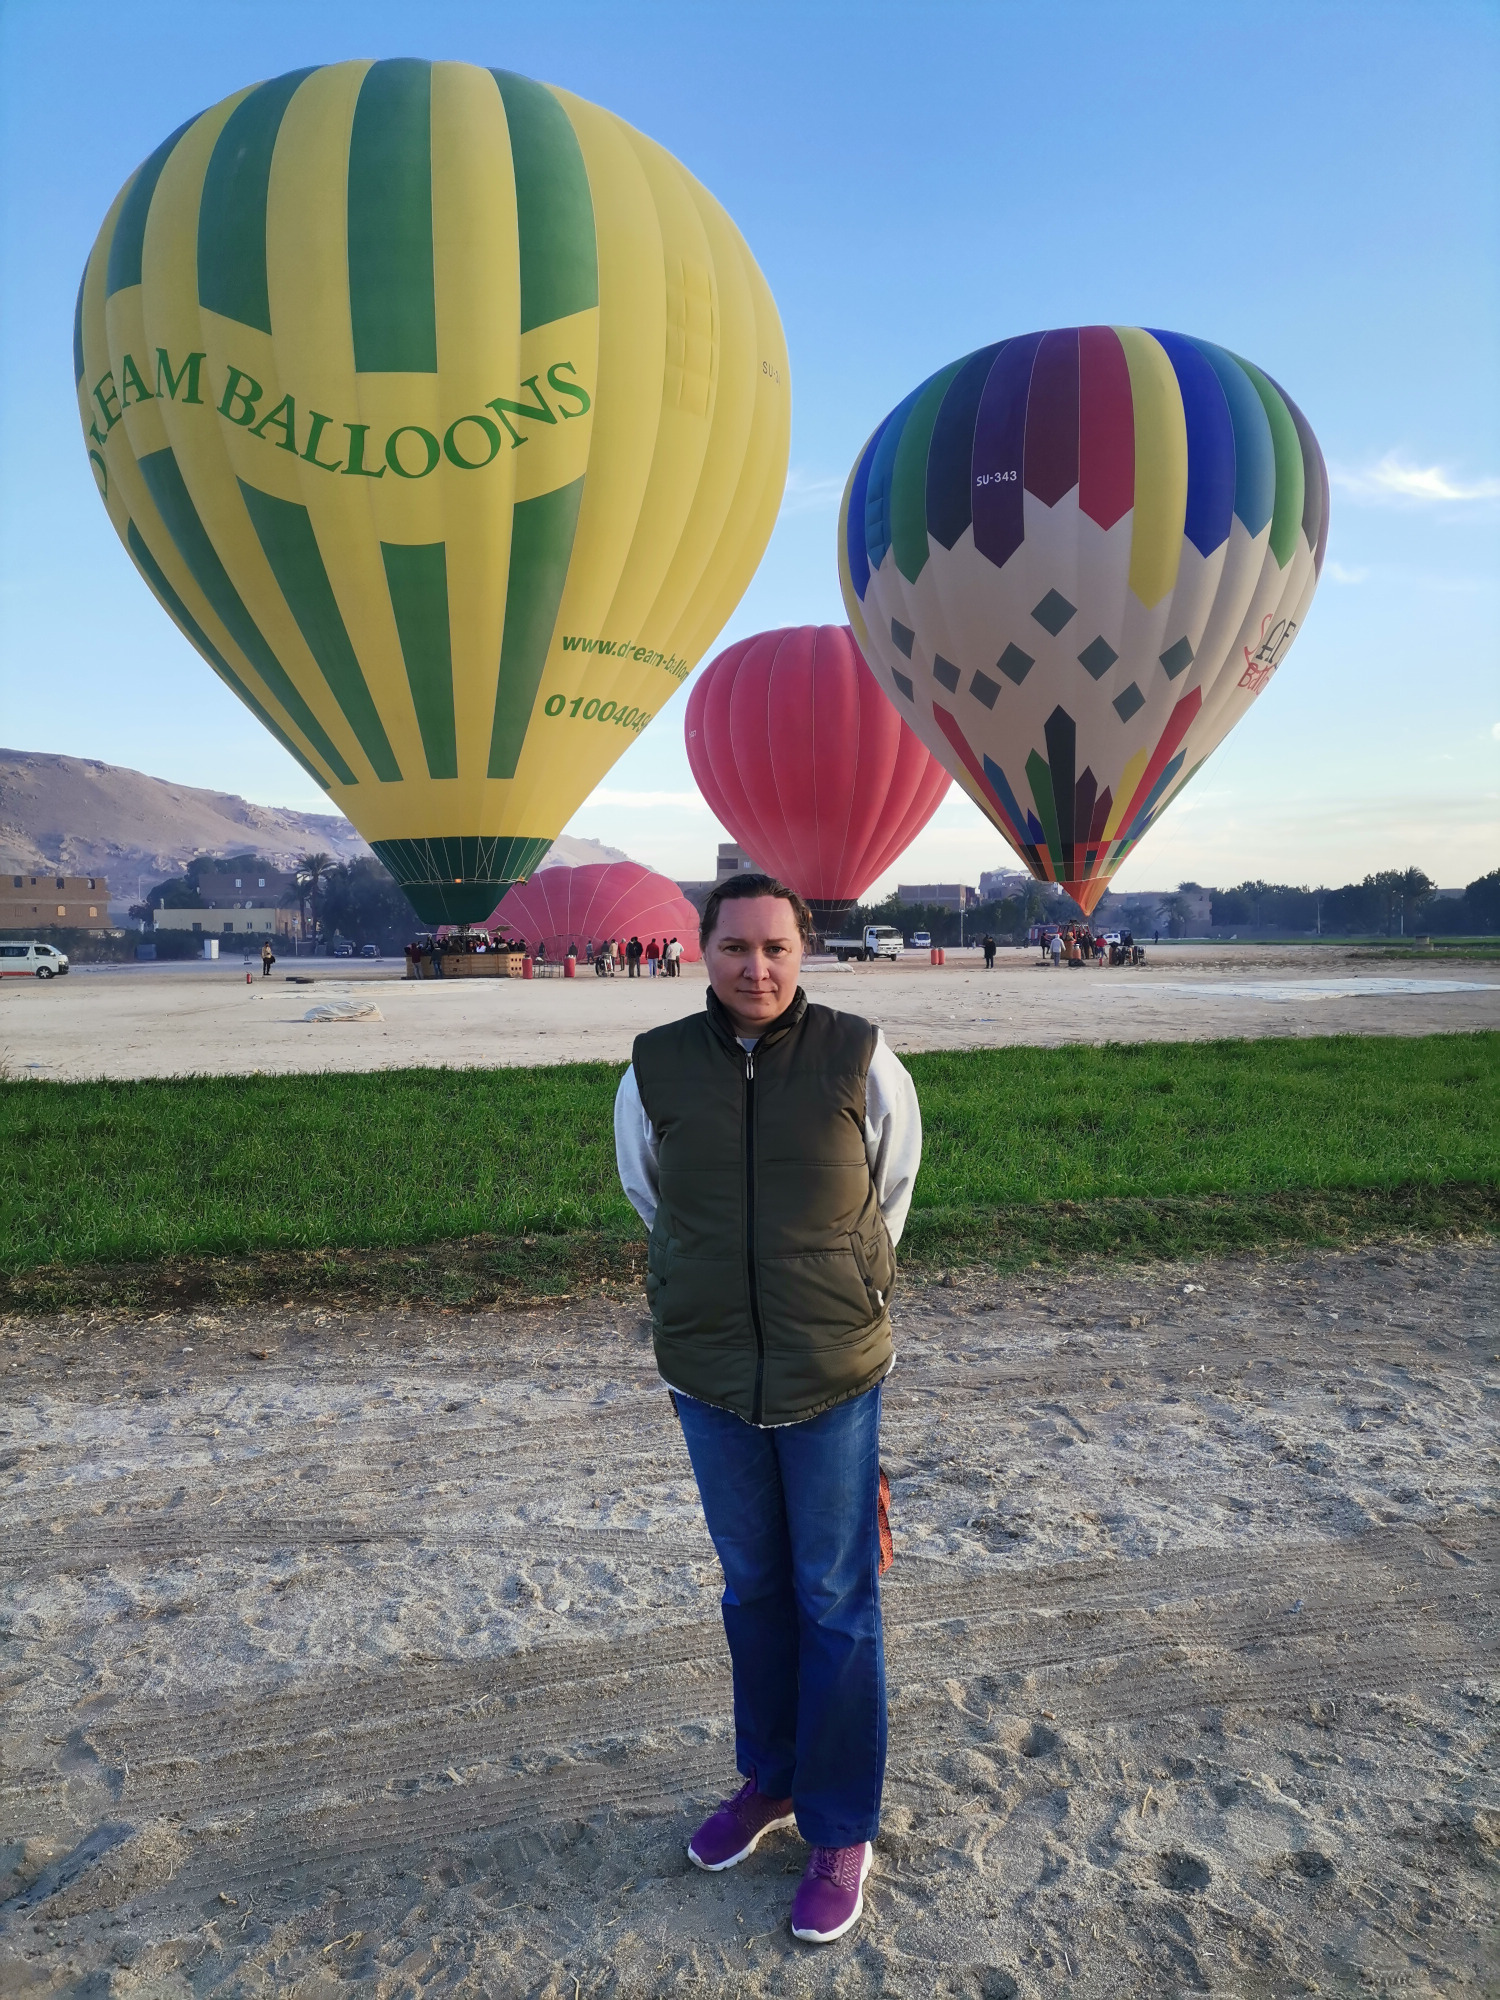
x=1176, y=913
x=294, y=897
x=311, y=871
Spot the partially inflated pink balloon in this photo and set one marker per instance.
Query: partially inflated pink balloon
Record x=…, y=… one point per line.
x=607, y=899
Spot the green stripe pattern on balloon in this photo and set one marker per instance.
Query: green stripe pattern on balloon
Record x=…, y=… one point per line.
x=447, y=416
x=1073, y=560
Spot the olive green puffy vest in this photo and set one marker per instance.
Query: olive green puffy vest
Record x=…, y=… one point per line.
x=770, y=1267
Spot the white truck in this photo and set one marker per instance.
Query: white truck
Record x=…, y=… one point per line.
x=875, y=941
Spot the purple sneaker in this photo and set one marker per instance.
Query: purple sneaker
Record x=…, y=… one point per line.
x=736, y=1828
x=831, y=1895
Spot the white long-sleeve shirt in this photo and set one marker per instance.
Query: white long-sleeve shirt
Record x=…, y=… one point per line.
x=893, y=1139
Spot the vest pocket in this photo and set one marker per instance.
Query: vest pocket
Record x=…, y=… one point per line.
x=815, y=1301
x=659, y=1250
x=877, y=1264
x=876, y=1293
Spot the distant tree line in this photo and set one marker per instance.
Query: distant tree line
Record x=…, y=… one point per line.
x=1392, y=903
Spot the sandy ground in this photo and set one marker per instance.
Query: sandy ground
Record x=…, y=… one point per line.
x=381, y=1656
x=175, y=1019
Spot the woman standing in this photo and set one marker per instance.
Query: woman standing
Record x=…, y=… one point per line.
x=771, y=1146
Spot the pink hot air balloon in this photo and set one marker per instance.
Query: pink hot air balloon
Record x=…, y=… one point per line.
x=608, y=899
x=802, y=756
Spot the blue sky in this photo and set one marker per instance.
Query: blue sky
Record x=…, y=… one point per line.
x=1312, y=185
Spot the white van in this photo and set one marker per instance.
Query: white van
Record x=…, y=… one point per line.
x=30, y=960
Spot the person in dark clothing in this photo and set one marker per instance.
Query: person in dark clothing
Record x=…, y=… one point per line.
x=633, y=955
x=989, y=952
x=771, y=1146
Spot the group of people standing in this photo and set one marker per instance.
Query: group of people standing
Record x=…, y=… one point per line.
x=1075, y=943
x=1079, y=945
x=607, y=956
x=628, y=954
x=431, y=951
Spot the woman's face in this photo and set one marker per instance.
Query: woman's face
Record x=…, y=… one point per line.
x=754, y=960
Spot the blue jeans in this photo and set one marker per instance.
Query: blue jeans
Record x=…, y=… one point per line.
x=793, y=1516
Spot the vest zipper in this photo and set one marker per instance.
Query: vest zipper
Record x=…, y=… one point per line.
x=752, y=1283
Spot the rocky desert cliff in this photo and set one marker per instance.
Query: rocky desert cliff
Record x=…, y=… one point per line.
x=78, y=816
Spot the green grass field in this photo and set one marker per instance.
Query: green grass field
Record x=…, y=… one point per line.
x=423, y=1181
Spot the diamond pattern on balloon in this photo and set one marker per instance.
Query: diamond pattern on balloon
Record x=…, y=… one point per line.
x=1128, y=701
x=1177, y=659
x=945, y=672
x=903, y=636
x=984, y=689
x=904, y=684
x=1014, y=664
x=1097, y=657
x=1053, y=612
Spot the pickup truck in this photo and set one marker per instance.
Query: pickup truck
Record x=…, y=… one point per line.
x=875, y=941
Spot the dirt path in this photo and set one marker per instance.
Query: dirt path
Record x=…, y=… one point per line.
x=381, y=1656
x=168, y=1020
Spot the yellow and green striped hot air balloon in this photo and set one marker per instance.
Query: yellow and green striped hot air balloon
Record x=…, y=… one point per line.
x=447, y=416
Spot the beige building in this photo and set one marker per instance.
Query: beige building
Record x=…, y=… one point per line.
x=54, y=902
x=946, y=895
x=255, y=885
x=240, y=901
x=241, y=922
x=733, y=860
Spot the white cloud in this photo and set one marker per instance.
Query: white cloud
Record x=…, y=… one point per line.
x=1336, y=572
x=806, y=493
x=1394, y=478
x=608, y=795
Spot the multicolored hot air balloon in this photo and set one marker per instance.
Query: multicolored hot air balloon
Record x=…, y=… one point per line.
x=447, y=416
x=603, y=899
x=802, y=758
x=1074, y=559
